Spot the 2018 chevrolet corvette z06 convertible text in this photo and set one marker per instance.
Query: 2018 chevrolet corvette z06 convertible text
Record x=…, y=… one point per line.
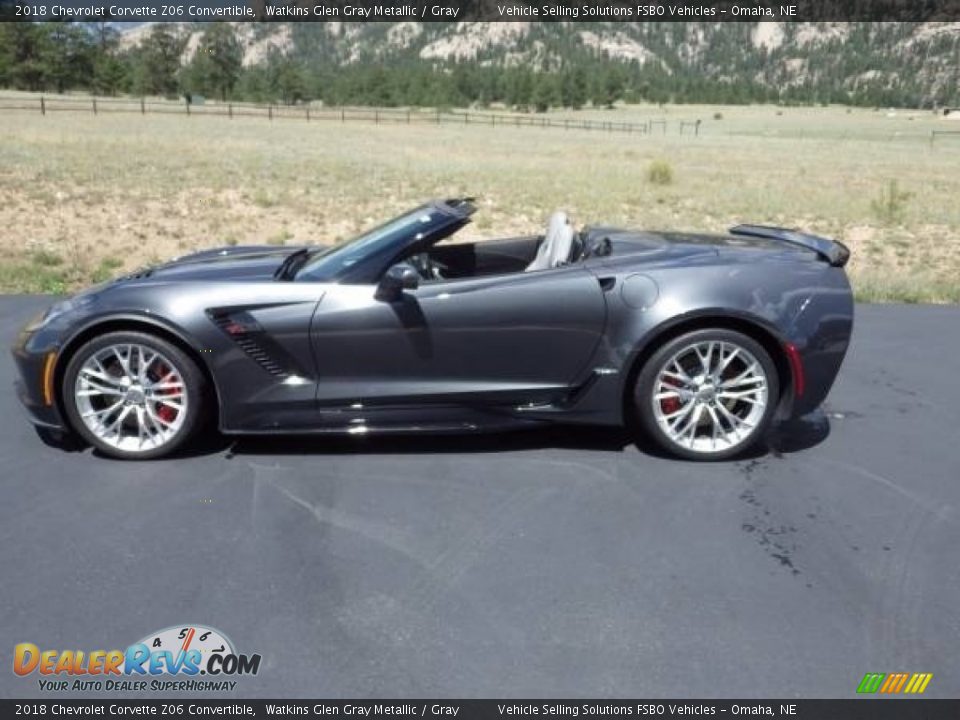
x=698, y=342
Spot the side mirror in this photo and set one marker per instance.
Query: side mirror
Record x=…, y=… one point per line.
x=397, y=279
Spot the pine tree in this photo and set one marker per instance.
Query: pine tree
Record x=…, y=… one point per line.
x=574, y=88
x=520, y=88
x=25, y=45
x=254, y=85
x=6, y=57
x=110, y=75
x=608, y=85
x=219, y=60
x=286, y=77
x=158, y=64
x=544, y=93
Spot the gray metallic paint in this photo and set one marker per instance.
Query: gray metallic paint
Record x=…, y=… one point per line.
x=473, y=353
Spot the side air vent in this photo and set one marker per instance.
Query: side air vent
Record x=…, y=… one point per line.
x=246, y=332
x=260, y=355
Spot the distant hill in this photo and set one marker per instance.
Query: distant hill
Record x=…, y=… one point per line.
x=902, y=64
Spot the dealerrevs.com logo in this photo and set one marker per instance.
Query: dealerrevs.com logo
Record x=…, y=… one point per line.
x=180, y=658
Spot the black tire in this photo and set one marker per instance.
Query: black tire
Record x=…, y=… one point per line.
x=645, y=412
x=194, y=382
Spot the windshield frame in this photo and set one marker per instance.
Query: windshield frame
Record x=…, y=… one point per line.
x=366, y=257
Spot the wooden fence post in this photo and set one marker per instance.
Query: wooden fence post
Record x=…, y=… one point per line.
x=343, y=115
x=270, y=112
x=230, y=110
x=43, y=106
x=376, y=117
x=94, y=106
x=186, y=104
x=143, y=107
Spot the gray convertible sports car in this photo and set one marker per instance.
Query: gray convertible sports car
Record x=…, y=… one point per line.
x=699, y=342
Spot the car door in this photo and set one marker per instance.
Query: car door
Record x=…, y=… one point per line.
x=483, y=341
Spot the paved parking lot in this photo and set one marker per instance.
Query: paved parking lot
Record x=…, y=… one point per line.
x=563, y=562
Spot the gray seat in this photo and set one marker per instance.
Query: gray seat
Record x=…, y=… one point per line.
x=557, y=244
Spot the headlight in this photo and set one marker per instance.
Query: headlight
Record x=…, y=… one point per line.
x=34, y=323
x=56, y=310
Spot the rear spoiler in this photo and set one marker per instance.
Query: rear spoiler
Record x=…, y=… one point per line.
x=835, y=253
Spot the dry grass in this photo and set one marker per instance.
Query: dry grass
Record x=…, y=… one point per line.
x=95, y=191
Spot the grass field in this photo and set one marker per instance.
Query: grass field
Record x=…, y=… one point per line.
x=85, y=197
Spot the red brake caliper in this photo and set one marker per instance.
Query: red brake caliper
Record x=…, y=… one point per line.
x=669, y=405
x=164, y=412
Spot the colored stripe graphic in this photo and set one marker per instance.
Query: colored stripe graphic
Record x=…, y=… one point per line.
x=918, y=683
x=870, y=683
x=889, y=683
x=894, y=683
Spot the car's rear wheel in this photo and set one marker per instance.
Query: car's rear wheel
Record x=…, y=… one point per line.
x=707, y=395
x=133, y=395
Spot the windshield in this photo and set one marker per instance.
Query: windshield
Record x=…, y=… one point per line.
x=329, y=264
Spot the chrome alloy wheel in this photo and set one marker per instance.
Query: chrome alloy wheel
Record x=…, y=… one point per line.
x=710, y=396
x=131, y=397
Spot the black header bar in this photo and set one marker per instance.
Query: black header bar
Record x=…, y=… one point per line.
x=480, y=10
x=865, y=709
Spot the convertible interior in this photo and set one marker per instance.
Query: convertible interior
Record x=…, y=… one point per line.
x=559, y=245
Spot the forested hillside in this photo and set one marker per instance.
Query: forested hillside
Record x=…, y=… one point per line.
x=524, y=65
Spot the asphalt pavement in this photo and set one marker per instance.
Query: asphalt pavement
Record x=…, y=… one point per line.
x=561, y=563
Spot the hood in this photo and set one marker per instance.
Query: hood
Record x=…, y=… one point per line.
x=243, y=263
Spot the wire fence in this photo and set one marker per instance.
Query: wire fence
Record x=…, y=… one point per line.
x=44, y=105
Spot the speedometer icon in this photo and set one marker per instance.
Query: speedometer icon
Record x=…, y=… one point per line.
x=179, y=639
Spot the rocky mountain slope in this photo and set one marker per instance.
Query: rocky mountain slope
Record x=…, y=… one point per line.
x=894, y=63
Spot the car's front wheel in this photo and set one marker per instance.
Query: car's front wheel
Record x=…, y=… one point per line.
x=133, y=395
x=707, y=395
